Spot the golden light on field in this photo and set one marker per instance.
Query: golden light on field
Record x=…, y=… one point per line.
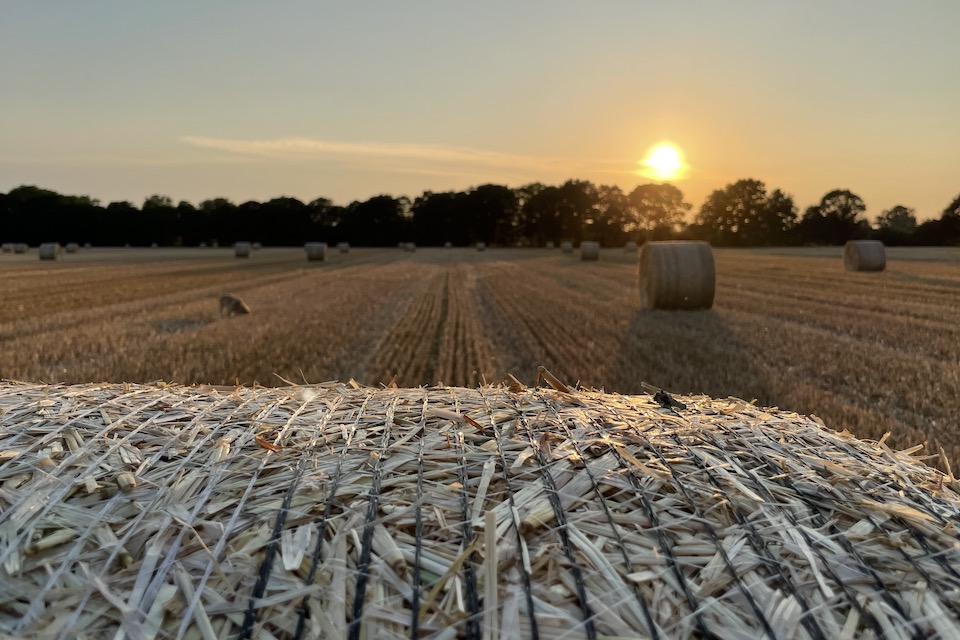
x=664, y=161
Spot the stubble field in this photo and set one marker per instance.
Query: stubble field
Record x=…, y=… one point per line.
x=871, y=353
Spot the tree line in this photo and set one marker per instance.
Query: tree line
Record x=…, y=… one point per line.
x=743, y=213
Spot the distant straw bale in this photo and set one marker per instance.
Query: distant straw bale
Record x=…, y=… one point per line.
x=676, y=275
x=257, y=246
x=232, y=305
x=343, y=247
x=589, y=250
x=167, y=511
x=549, y=244
x=566, y=247
x=630, y=246
x=316, y=251
x=410, y=247
x=49, y=251
x=448, y=245
x=481, y=246
x=864, y=255
x=241, y=249
x=6, y=247
x=20, y=247
x=71, y=247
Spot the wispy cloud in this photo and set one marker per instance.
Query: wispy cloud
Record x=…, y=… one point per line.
x=409, y=157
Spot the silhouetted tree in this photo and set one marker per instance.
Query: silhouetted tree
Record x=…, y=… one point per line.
x=896, y=225
x=656, y=210
x=835, y=220
x=742, y=214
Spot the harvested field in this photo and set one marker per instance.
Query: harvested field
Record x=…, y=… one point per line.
x=337, y=511
x=868, y=352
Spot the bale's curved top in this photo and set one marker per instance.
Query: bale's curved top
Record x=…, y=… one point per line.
x=676, y=275
x=169, y=510
x=864, y=255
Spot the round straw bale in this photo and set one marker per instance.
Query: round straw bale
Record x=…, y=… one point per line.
x=343, y=247
x=203, y=245
x=316, y=250
x=49, y=250
x=589, y=250
x=676, y=275
x=71, y=247
x=630, y=247
x=257, y=246
x=6, y=247
x=864, y=255
x=410, y=246
x=481, y=246
x=566, y=247
x=242, y=249
x=550, y=244
x=447, y=245
x=87, y=245
x=20, y=247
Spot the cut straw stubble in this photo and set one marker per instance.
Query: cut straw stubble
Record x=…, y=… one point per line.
x=152, y=509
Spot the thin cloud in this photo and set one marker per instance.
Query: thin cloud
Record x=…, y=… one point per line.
x=406, y=157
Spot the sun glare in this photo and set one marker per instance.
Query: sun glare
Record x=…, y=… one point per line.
x=664, y=161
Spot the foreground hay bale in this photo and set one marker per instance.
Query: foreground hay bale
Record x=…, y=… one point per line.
x=49, y=251
x=241, y=249
x=153, y=511
x=316, y=250
x=864, y=255
x=343, y=247
x=676, y=275
x=20, y=247
x=566, y=247
x=589, y=250
x=71, y=247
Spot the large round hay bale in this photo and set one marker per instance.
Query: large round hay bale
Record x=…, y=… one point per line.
x=6, y=247
x=163, y=511
x=566, y=247
x=481, y=246
x=630, y=246
x=49, y=250
x=241, y=249
x=676, y=275
x=20, y=247
x=316, y=250
x=589, y=250
x=864, y=255
x=343, y=247
x=71, y=247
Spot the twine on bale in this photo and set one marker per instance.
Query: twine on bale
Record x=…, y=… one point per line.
x=676, y=275
x=864, y=255
x=316, y=250
x=241, y=250
x=589, y=250
x=341, y=511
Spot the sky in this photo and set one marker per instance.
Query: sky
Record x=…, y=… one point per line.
x=346, y=100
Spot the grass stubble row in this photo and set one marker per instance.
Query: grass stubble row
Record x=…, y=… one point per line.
x=872, y=353
x=340, y=511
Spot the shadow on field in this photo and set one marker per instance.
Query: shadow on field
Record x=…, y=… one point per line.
x=686, y=352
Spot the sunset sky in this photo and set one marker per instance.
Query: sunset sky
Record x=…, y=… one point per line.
x=253, y=100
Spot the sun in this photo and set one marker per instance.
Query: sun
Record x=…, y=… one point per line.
x=664, y=161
